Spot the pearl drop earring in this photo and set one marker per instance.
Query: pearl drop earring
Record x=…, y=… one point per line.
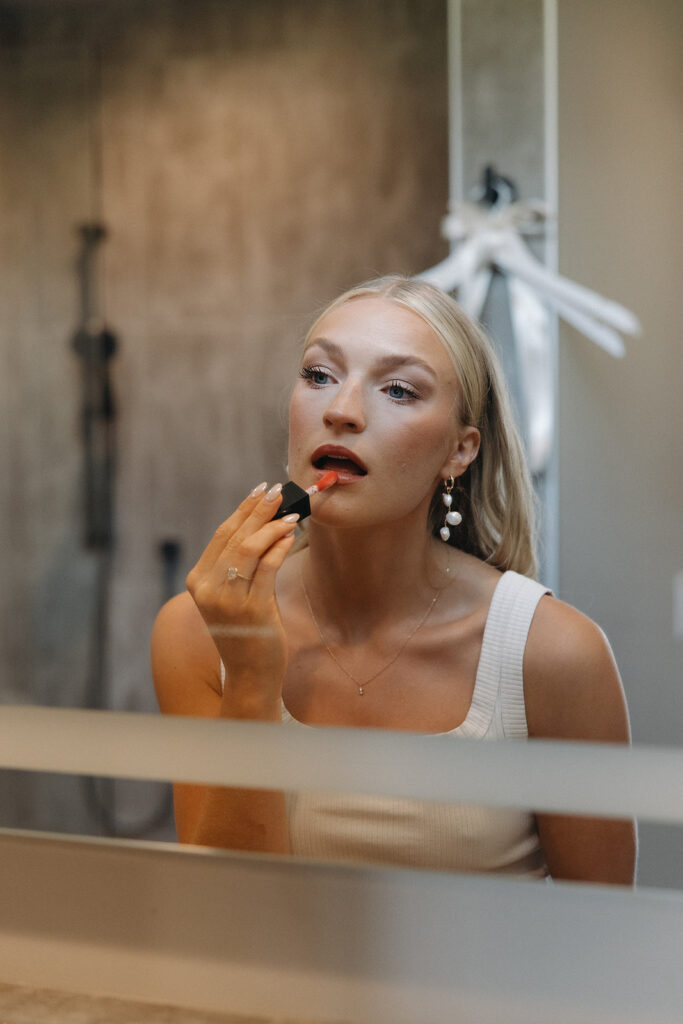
x=453, y=518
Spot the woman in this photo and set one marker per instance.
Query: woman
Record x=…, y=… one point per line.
x=409, y=607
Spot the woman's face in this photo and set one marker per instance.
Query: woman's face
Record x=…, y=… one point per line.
x=376, y=401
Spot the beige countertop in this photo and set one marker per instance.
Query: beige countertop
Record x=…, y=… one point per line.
x=20, y=1005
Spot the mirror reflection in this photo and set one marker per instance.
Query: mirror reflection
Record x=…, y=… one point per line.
x=185, y=186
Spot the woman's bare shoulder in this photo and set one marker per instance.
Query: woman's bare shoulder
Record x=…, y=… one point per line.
x=185, y=662
x=572, y=685
x=474, y=583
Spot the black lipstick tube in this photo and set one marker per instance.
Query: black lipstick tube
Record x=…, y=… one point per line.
x=296, y=499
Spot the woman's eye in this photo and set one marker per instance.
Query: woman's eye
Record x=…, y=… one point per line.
x=400, y=392
x=315, y=375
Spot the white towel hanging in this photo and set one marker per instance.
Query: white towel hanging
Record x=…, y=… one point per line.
x=489, y=240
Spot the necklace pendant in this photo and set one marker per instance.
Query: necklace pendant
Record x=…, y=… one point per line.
x=335, y=659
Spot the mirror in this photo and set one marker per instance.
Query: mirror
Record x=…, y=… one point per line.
x=248, y=162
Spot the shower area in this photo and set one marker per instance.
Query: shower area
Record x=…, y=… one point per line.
x=183, y=185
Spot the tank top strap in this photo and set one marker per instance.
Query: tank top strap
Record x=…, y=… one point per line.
x=507, y=629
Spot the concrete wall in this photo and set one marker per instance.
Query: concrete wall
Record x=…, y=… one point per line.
x=621, y=423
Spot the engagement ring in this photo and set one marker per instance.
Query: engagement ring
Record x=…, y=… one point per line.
x=233, y=574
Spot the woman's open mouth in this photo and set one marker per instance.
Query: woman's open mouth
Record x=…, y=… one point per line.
x=341, y=460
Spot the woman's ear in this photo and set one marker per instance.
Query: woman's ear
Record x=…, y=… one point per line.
x=464, y=451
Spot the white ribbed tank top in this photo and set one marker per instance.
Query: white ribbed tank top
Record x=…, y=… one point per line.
x=455, y=837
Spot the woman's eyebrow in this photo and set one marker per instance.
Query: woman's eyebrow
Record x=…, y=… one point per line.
x=388, y=362
x=397, y=361
x=331, y=347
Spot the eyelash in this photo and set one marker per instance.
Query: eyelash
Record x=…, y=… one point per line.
x=412, y=395
x=309, y=374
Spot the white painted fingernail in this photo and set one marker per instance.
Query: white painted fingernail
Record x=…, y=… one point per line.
x=274, y=492
x=293, y=517
x=259, y=490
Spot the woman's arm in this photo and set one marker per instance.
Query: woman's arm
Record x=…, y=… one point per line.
x=237, y=621
x=573, y=692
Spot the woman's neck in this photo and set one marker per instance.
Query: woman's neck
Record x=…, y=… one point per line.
x=359, y=580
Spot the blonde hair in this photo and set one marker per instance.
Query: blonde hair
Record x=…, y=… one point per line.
x=495, y=495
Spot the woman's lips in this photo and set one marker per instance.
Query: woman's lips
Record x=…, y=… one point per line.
x=344, y=462
x=344, y=476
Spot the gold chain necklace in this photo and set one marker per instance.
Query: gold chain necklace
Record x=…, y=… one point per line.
x=361, y=685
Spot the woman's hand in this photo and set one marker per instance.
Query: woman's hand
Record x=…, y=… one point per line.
x=233, y=586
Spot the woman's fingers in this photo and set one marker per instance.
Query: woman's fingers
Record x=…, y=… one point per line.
x=256, y=534
x=263, y=583
x=259, y=513
x=251, y=549
x=229, y=529
x=238, y=564
x=243, y=563
x=235, y=575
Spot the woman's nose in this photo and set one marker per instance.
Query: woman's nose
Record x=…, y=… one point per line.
x=345, y=411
